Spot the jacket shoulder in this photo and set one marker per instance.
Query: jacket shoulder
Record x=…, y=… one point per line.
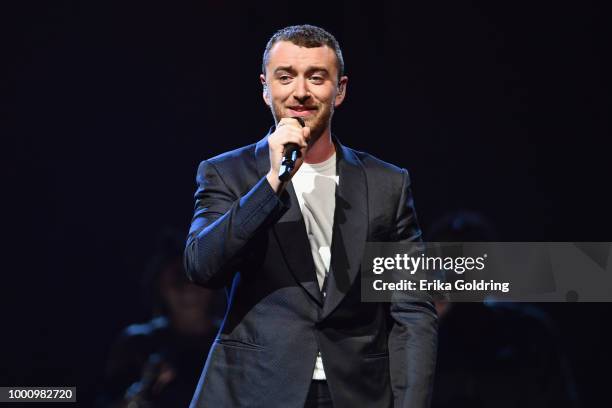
x=232, y=156
x=384, y=179
x=375, y=167
x=237, y=169
x=234, y=162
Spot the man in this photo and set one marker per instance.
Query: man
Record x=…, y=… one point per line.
x=296, y=332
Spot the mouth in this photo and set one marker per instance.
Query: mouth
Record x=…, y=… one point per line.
x=301, y=110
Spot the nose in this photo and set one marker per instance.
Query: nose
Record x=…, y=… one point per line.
x=301, y=92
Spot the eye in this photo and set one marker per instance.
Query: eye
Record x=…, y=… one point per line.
x=317, y=79
x=284, y=79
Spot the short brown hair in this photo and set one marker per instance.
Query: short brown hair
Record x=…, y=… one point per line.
x=308, y=36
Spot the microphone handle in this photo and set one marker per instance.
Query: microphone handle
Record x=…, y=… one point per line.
x=290, y=154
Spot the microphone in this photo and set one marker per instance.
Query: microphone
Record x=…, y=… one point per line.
x=291, y=153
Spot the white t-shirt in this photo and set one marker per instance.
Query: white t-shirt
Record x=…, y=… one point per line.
x=315, y=188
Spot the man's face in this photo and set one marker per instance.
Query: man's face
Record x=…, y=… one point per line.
x=303, y=82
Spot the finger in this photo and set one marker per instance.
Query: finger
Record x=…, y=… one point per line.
x=285, y=131
x=292, y=135
x=289, y=121
x=299, y=120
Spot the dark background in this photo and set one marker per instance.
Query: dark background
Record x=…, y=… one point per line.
x=107, y=108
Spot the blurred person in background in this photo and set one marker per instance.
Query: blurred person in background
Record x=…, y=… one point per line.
x=157, y=363
x=496, y=354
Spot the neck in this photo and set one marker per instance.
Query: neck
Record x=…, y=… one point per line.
x=322, y=149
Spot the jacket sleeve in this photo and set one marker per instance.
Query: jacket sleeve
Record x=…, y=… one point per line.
x=414, y=332
x=223, y=224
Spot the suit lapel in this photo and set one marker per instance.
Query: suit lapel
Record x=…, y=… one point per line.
x=350, y=228
x=290, y=232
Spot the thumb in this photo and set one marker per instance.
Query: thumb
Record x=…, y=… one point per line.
x=306, y=133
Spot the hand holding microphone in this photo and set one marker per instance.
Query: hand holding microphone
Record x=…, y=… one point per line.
x=287, y=147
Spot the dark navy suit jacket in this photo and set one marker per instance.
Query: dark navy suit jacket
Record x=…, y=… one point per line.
x=245, y=238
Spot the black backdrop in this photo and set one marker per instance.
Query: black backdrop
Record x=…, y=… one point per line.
x=107, y=108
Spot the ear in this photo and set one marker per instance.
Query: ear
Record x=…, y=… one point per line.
x=265, y=91
x=341, y=94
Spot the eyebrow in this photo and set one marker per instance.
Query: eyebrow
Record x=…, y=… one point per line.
x=309, y=70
